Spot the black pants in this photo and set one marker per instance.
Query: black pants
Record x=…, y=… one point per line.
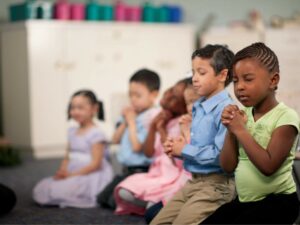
x=7, y=199
x=274, y=209
x=106, y=197
x=152, y=212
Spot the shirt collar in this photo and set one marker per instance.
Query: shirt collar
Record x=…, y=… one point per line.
x=209, y=104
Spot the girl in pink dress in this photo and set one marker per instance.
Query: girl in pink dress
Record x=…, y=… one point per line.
x=165, y=175
x=85, y=171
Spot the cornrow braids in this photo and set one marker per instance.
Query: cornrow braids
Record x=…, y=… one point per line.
x=220, y=58
x=262, y=53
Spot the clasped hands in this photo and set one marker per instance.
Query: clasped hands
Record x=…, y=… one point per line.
x=173, y=146
x=233, y=118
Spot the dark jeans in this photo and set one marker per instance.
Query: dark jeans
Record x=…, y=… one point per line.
x=8, y=200
x=106, y=197
x=274, y=209
x=152, y=212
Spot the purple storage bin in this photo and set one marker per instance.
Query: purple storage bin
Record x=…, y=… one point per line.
x=134, y=13
x=62, y=10
x=77, y=11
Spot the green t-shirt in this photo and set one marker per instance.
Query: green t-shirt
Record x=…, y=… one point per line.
x=251, y=184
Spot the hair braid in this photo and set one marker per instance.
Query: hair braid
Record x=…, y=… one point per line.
x=262, y=53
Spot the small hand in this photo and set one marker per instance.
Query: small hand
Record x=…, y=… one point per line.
x=168, y=146
x=234, y=118
x=228, y=114
x=61, y=174
x=178, y=144
x=129, y=114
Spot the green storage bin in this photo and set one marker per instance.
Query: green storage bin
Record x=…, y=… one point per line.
x=31, y=9
x=93, y=11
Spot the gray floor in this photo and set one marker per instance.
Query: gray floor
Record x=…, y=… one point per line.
x=22, y=179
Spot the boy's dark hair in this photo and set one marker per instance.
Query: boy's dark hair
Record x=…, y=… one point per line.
x=220, y=58
x=262, y=53
x=147, y=77
x=92, y=98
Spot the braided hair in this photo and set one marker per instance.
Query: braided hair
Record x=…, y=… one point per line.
x=220, y=58
x=262, y=53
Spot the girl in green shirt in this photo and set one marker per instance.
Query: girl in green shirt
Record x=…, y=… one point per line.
x=260, y=144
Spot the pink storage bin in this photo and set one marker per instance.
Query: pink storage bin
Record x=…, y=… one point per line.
x=77, y=11
x=62, y=10
x=134, y=13
x=120, y=11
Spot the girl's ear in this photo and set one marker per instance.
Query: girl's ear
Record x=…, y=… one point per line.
x=222, y=76
x=274, y=81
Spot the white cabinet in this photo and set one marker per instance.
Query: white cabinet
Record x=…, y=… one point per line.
x=286, y=45
x=45, y=62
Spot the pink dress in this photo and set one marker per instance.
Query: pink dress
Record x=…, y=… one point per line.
x=162, y=181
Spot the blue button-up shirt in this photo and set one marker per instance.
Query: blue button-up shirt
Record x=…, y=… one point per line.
x=125, y=155
x=207, y=135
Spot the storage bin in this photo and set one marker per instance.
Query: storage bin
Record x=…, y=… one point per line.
x=30, y=9
x=175, y=14
x=163, y=14
x=149, y=12
x=92, y=11
x=120, y=11
x=77, y=11
x=134, y=13
x=62, y=10
x=106, y=12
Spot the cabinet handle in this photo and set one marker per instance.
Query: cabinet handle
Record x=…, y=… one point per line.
x=64, y=66
x=58, y=65
x=69, y=66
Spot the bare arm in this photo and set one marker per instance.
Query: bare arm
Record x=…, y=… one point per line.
x=157, y=125
x=118, y=133
x=95, y=164
x=229, y=153
x=269, y=159
x=148, y=145
x=135, y=143
x=63, y=169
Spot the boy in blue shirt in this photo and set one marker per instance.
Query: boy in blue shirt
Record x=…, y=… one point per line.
x=209, y=187
x=132, y=130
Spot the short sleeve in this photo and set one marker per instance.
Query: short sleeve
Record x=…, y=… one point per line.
x=289, y=117
x=97, y=136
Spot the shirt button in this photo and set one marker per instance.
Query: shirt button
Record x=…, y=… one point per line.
x=192, y=134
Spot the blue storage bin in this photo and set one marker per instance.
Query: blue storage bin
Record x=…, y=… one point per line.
x=31, y=9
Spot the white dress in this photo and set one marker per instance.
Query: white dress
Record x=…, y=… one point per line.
x=76, y=191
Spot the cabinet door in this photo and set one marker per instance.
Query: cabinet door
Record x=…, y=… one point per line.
x=47, y=73
x=108, y=55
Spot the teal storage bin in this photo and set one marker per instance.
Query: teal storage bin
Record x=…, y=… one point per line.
x=31, y=9
x=93, y=11
x=163, y=14
x=106, y=12
x=149, y=13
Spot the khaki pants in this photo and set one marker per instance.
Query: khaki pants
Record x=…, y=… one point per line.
x=198, y=199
